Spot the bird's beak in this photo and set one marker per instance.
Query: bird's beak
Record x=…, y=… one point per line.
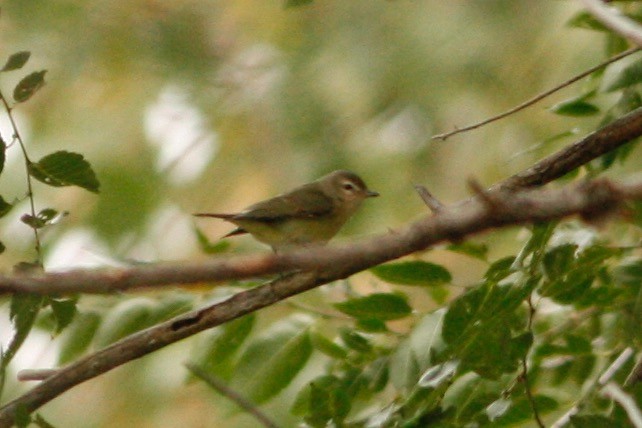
x=372, y=194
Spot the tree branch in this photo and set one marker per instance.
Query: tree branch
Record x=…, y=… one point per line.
x=613, y=19
x=510, y=206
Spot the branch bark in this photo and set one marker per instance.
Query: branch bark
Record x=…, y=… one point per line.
x=509, y=206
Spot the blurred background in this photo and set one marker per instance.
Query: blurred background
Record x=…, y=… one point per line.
x=196, y=105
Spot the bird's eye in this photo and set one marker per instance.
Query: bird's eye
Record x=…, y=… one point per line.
x=349, y=187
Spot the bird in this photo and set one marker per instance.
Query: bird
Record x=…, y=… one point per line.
x=307, y=215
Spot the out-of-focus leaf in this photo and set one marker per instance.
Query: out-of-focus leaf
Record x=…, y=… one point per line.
x=436, y=375
x=371, y=325
x=593, y=421
x=499, y=269
x=323, y=400
x=65, y=168
x=297, y=3
x=128, y=317
x=355, y=340
x=575, y=107
x=469, y=248
x=585, y=20
x=29, y=85
x=382, y=306
x=413, y=273
x=78, y=336
x=41, y=422
x=5, y=207
x=209, y=247
x=3, y=154
x=215, y=352
x=327, y=346
x=279, y=368
x=16, y=61
x=521, y=410
x=628, y=76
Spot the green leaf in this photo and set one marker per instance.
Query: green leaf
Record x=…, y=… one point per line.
x=628, y=76
x=5, y=207
x=575, y=107
x=383, y=306
x=279, y=368
x=297, y=3
x=64, y=311
x=593, y=421
x=16, y=61
x=41, y=422
x=128, y=317
x=371, y=325
x=217, y=350
x=64, y=168
x=44, y=218
x=500, y=269
x=327, y=346
x=3, y=154
x=413, y=273
x=209, y=247
x=354, y=340
x=472, y=249
x=78, y=336
x=23, y=311
x=29, y=85
x=585, y=20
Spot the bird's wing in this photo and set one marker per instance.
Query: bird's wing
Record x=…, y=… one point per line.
x=300, y=203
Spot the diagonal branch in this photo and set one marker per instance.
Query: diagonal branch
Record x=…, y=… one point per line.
x=510, y=206
x=615, y=20
x=607, y=139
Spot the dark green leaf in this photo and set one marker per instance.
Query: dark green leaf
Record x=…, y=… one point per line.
x=381, y=306
x=575, y=107
x=29, y=85
x=297, y=3
x=23, y=311
x=16, y=61
x=413, y=273
x=63, y=311
x=5, y=207
x=592, y=421
x=478, y=251
x=64, y=168
x=43, y=218
x=355, y=340
x=327, y=346
x=629, y=75
x=2, y=248
x=78, y=336
x=559, y=260
x=521, y=410
x=585, y=20
x=499, y=269
x=371, y=325
x=3, y=154
x=22, y=416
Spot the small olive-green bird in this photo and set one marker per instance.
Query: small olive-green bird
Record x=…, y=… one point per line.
x=310, y=214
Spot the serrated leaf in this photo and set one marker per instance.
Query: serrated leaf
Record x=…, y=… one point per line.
x=413, y=273
x=575, y=108
x=23, y=310
x=16, y=61
x=29, y=85
x=382, y=306
x=65, y=168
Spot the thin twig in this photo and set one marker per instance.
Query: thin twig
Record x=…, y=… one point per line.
x=228, y=392
x=536, y=98
x=32, y=204
x=613, y=19
x=614, y=392
x=529, y=394
x=432, y=202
